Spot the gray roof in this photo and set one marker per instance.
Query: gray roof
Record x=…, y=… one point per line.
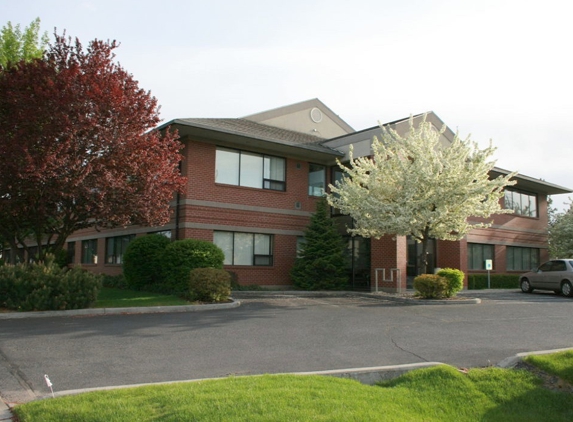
x=250, y=129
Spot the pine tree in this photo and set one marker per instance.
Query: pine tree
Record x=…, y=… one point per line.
x=321, y=264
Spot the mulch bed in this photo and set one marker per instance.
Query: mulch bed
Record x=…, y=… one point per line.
x=551, y=382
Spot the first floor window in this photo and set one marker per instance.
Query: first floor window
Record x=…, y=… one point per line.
x=71, y=252
x=521, y=259
x=116, y=247
x=245, y=248
x=165, y=233
x=477, y=254
x=89, y=251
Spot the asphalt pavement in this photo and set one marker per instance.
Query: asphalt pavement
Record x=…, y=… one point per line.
x=283, y=332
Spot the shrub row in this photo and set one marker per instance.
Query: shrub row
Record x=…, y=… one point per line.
x=155, y=264
x=42, y=286
x=497, y=281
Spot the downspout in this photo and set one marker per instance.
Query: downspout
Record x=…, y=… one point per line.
x=177, y=212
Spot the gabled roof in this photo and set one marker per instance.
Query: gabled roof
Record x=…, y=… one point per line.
x=293, y=108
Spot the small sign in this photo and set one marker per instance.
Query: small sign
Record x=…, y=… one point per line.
x=489, y=264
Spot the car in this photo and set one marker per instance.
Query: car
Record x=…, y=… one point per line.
x=555, y=275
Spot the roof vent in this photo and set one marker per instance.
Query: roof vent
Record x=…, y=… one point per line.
x=316, y=115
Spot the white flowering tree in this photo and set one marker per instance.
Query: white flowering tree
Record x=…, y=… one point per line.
x=415, y=185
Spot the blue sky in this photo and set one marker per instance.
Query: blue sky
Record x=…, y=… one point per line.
x=499, y=70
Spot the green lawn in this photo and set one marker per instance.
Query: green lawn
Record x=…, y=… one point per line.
x=435, y=394
x=119, y=298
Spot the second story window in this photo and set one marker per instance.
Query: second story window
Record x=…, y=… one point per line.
x=316, y=180
x=249, y=169
x=522, y=203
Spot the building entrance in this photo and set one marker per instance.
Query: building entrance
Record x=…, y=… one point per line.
x=415, y=262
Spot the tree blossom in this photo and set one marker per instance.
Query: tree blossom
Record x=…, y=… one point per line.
x=416, y=185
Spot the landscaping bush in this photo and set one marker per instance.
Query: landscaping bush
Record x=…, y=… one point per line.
x=62, y=258
x=41, y=286
x=209, y=285
x=321, y=263
x=455, y=279
x=182, y=256
x=142, y=261
x=497, y=281
x=430, y=286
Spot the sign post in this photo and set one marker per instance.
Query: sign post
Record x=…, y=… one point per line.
x=488, y=267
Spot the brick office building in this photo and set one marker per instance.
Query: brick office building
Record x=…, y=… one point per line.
x=253, y=183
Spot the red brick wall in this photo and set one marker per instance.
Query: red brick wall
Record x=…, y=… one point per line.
x=513, y=230
x=388, y=252
x=453, y=254
x=200, y=168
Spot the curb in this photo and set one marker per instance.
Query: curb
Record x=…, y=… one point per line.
x=512, y=361
x=5, y=413
x=121, y=311
x=283, y=294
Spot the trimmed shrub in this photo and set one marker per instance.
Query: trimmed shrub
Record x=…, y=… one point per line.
x=455, y=279
x=430, y=286
x=142, y=261
x=497, y=281
x=42, y=286
x=209, y=285
x=182, y=256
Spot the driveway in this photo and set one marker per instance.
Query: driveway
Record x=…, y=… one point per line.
x=273, y=335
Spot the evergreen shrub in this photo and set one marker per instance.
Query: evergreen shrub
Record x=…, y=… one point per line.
x=455, y=279
x=209, y=285
x=182, y=256
x=142, y=265
x=431, y=286
x=322, y=263
x=42, y=286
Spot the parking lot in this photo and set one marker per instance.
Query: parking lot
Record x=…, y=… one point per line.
x=275, y=334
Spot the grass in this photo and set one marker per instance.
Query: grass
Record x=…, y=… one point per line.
x=434, y=394
x=560, y=364
x=118, y=298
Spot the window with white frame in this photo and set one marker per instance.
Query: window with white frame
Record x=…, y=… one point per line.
x=245, y=248
x=521, y=203
x=242, y=168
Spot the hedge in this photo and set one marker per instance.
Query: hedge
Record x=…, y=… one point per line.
x=497, y=281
